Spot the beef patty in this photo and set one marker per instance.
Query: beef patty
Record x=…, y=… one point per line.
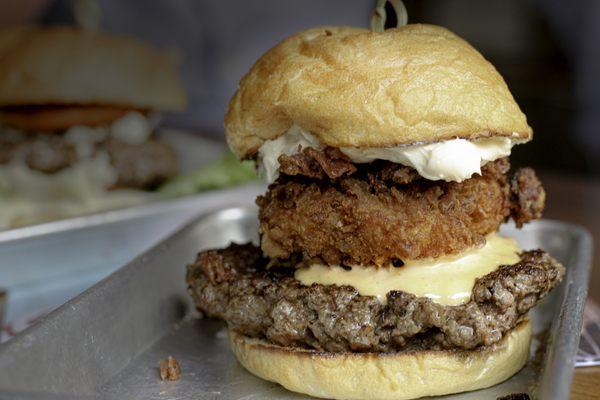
x=234, y=284
x=139, y=166
x=381, y=212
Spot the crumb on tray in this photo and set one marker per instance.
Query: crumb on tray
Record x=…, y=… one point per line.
x=169, y=369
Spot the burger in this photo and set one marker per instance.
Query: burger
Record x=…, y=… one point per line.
x=380, y=273
x=78, y=114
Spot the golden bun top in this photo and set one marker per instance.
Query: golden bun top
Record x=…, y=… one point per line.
x=65, y=65
x=398, y=376
x=354, y=87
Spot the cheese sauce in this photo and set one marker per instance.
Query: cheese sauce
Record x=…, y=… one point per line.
x=447, y=280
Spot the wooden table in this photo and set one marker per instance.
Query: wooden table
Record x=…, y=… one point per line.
x=577, y=200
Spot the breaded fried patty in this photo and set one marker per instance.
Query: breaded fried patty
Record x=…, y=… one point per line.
x=382, y=212
x=234, y=284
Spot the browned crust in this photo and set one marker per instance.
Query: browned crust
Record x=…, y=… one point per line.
x=266, y=346
x=382, y=212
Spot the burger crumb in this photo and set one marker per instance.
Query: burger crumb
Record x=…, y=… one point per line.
x=169, y=369
x=515, y=396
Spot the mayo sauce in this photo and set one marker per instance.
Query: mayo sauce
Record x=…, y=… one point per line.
x=451, y=160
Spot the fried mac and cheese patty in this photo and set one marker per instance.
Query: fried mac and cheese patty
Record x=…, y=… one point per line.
x=383, y=212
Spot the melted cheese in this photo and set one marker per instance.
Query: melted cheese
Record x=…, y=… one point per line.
x=447, y=280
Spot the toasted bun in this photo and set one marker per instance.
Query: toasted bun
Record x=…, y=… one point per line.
x=354, y=87
x=384, y=375
x=71, y=66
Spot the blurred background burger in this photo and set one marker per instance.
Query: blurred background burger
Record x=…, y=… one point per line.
x=78, y=114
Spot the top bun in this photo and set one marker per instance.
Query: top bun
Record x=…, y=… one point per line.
x=66, y=65
x=354, y=87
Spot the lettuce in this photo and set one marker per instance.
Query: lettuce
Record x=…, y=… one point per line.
x=227, y=171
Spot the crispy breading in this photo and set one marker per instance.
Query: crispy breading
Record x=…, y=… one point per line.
x=369, y=218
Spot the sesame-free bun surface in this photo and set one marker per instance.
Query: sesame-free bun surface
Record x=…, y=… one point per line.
x=384, y=375
x=65, y=65
x=353, y=87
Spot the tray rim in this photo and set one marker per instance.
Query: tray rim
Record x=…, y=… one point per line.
x=559, y=385
x=163, y=205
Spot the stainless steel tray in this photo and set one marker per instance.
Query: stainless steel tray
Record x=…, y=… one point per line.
x=45, y=265
x=107, y=342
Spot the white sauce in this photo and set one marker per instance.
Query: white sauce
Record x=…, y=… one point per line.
x=28, y=196
x=290, y=143
x=84, y=139
x=449, y=160
x=133, y=128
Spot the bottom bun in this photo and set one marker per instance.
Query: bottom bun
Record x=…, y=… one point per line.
x=398, y=376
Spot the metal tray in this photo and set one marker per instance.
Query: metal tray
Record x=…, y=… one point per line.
x=107, y=342
x=45, y=265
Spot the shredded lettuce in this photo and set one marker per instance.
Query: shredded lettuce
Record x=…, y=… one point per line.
x=227, y=171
